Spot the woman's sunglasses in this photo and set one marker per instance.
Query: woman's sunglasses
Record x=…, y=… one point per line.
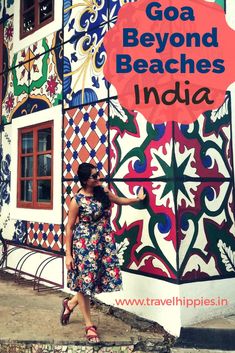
x=95, y=176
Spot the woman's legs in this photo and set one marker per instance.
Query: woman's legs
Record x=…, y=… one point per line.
x=67, y=309
x=73, y=302
x=84, y=306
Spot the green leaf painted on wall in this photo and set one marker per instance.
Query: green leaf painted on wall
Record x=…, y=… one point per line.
x=221, y=243
x=221, y=3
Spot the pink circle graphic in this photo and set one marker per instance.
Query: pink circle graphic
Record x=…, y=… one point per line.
x=170, y=61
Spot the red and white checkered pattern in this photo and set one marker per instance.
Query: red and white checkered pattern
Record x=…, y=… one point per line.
x=90, y=130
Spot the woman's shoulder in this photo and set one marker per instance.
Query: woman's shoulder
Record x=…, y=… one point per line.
x=78, y=196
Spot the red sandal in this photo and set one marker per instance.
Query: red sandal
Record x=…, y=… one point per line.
x=64, y=318
x=90, y=337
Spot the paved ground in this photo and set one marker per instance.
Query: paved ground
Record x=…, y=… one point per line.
x=32, y=318
x=27, y=315
x=194, y=350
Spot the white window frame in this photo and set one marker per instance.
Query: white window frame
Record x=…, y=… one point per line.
x=55, y=25
x=29, y=214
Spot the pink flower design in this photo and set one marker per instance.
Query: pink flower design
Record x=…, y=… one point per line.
x=52, y=85
x=94, y=255
x=81, y=243
x=89, y=278
x=114, y=272
x=81, y=267
x=9, y=32
x=9, y=102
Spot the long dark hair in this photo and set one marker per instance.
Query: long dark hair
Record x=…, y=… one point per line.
x=84, y=172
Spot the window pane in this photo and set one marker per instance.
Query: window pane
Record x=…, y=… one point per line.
x=44, y=165
x=45, y=10
x=27, y=4
x=27, y=142
x=28, y=21
x=44, y=140
x=27, y=166
x=26, y=190
x=44, y=191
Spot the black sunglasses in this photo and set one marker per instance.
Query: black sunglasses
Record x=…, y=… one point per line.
x=95, y=176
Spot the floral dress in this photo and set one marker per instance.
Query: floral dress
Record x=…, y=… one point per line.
x=94, y=252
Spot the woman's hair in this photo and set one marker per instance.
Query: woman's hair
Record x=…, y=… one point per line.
x=84, y=172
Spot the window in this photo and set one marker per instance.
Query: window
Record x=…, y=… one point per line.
x=35, y=166
x=34, y=15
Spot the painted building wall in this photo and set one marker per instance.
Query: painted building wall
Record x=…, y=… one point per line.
x=180, y=242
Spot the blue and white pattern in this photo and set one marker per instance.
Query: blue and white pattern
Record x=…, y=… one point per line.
x=5, y=176
x=83, y=16
x=20, y=233
x=84, y=58
x=85, y=24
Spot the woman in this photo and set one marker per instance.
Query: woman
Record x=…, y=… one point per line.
x=91, y=258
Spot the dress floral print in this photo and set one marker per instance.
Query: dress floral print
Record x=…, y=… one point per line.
x=96, y=264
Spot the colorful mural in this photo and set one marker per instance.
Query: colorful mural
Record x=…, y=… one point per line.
x=32, y=78
x=185, y=229
x=187, y=173
x=84, y=56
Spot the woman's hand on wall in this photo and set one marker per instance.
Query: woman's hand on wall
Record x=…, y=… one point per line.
x=141, y=195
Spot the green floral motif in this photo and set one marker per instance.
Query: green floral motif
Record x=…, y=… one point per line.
x=32, y=67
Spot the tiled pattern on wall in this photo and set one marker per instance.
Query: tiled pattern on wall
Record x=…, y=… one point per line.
x=8, y=33
x=5, y=173
x=136, y=145
x=206, y=232
x=12, y=230
x=85, y=24
x=208, y=142
x=84, y=16
x=6, y=224
x=51, y=41
x=186, y=170
x=45, y=84
x=146, y=237
x=20, y=232
x=31, y=81
x=32, y=77
x=86, y=138
x=84, y=58
x=45, y=236
x=184, y=230
x=6, y=9
x=70, y=188
x=9, y=7
x=15, y=92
